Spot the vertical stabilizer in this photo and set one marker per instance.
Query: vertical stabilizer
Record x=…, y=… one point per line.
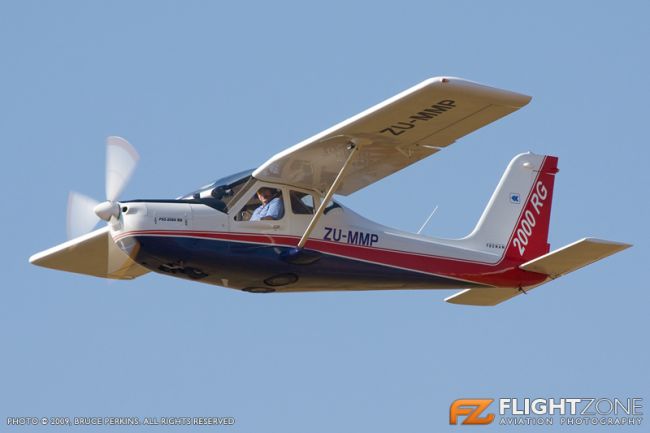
x=516, y=219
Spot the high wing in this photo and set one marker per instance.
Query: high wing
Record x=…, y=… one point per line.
x=391, y=135
x=90, y=254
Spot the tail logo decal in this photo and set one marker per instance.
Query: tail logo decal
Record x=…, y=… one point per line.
x=527, y=222
x=515, y=198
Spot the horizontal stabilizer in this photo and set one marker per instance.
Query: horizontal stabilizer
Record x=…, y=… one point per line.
x=488, y=296
x=90, y=255
x=554, y=264
x=573, y=256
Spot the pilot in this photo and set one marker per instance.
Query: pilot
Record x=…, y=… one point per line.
x=271, y=208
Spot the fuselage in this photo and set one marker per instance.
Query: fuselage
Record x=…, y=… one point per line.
x=216, y=245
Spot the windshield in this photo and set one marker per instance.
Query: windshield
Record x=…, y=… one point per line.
x=229, y=184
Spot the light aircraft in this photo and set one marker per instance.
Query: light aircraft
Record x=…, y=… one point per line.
x=314, y=243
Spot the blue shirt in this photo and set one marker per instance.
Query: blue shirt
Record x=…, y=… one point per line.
x=273, y=209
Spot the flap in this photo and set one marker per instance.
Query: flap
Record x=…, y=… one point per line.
x=90, y=255
x=391, y=135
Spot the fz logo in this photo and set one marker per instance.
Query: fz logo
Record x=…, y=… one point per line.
x=471, y=409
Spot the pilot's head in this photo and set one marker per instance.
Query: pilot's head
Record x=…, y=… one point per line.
x=265, y=194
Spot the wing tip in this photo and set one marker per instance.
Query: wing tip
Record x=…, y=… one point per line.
x=507, y=97
x=37, y=258
x=621, y=245
x=33, y=258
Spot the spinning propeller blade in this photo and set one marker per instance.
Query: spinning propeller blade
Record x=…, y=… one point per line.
x=81, y=214
x=121, y=159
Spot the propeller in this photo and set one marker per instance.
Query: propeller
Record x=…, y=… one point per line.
x=84, y=212
x=121, y=159
x=81, y=214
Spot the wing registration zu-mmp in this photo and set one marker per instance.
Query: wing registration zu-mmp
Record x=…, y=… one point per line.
x=391, y=135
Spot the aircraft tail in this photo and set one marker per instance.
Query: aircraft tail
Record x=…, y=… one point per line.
x=554, y=264
x=518, y=214
x=516, y=221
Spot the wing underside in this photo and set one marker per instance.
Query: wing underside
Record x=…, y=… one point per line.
x=391, y=135
x=92, y=254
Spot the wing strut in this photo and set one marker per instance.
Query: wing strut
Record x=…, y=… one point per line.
x=352, y=148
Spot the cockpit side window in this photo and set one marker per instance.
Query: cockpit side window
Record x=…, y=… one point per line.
x=266, y=204
x=234, y=190
x=331, y=205
x=242, y=190
x=301, y=203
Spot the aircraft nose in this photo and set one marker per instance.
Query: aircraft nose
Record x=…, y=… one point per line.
x=132, y=216
x=133, y=209
x=107, y=209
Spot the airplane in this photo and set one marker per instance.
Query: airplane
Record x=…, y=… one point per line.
x=311, y=242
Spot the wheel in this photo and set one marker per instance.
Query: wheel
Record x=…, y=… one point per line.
x=258, y=290
x=281, y=279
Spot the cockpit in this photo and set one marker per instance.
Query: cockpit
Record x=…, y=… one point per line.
x=220, y=193
x=226, y=192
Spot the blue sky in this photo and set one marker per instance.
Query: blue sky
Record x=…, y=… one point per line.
x=204, y=89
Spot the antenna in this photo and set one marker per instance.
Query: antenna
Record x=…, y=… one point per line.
x=428, y=219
